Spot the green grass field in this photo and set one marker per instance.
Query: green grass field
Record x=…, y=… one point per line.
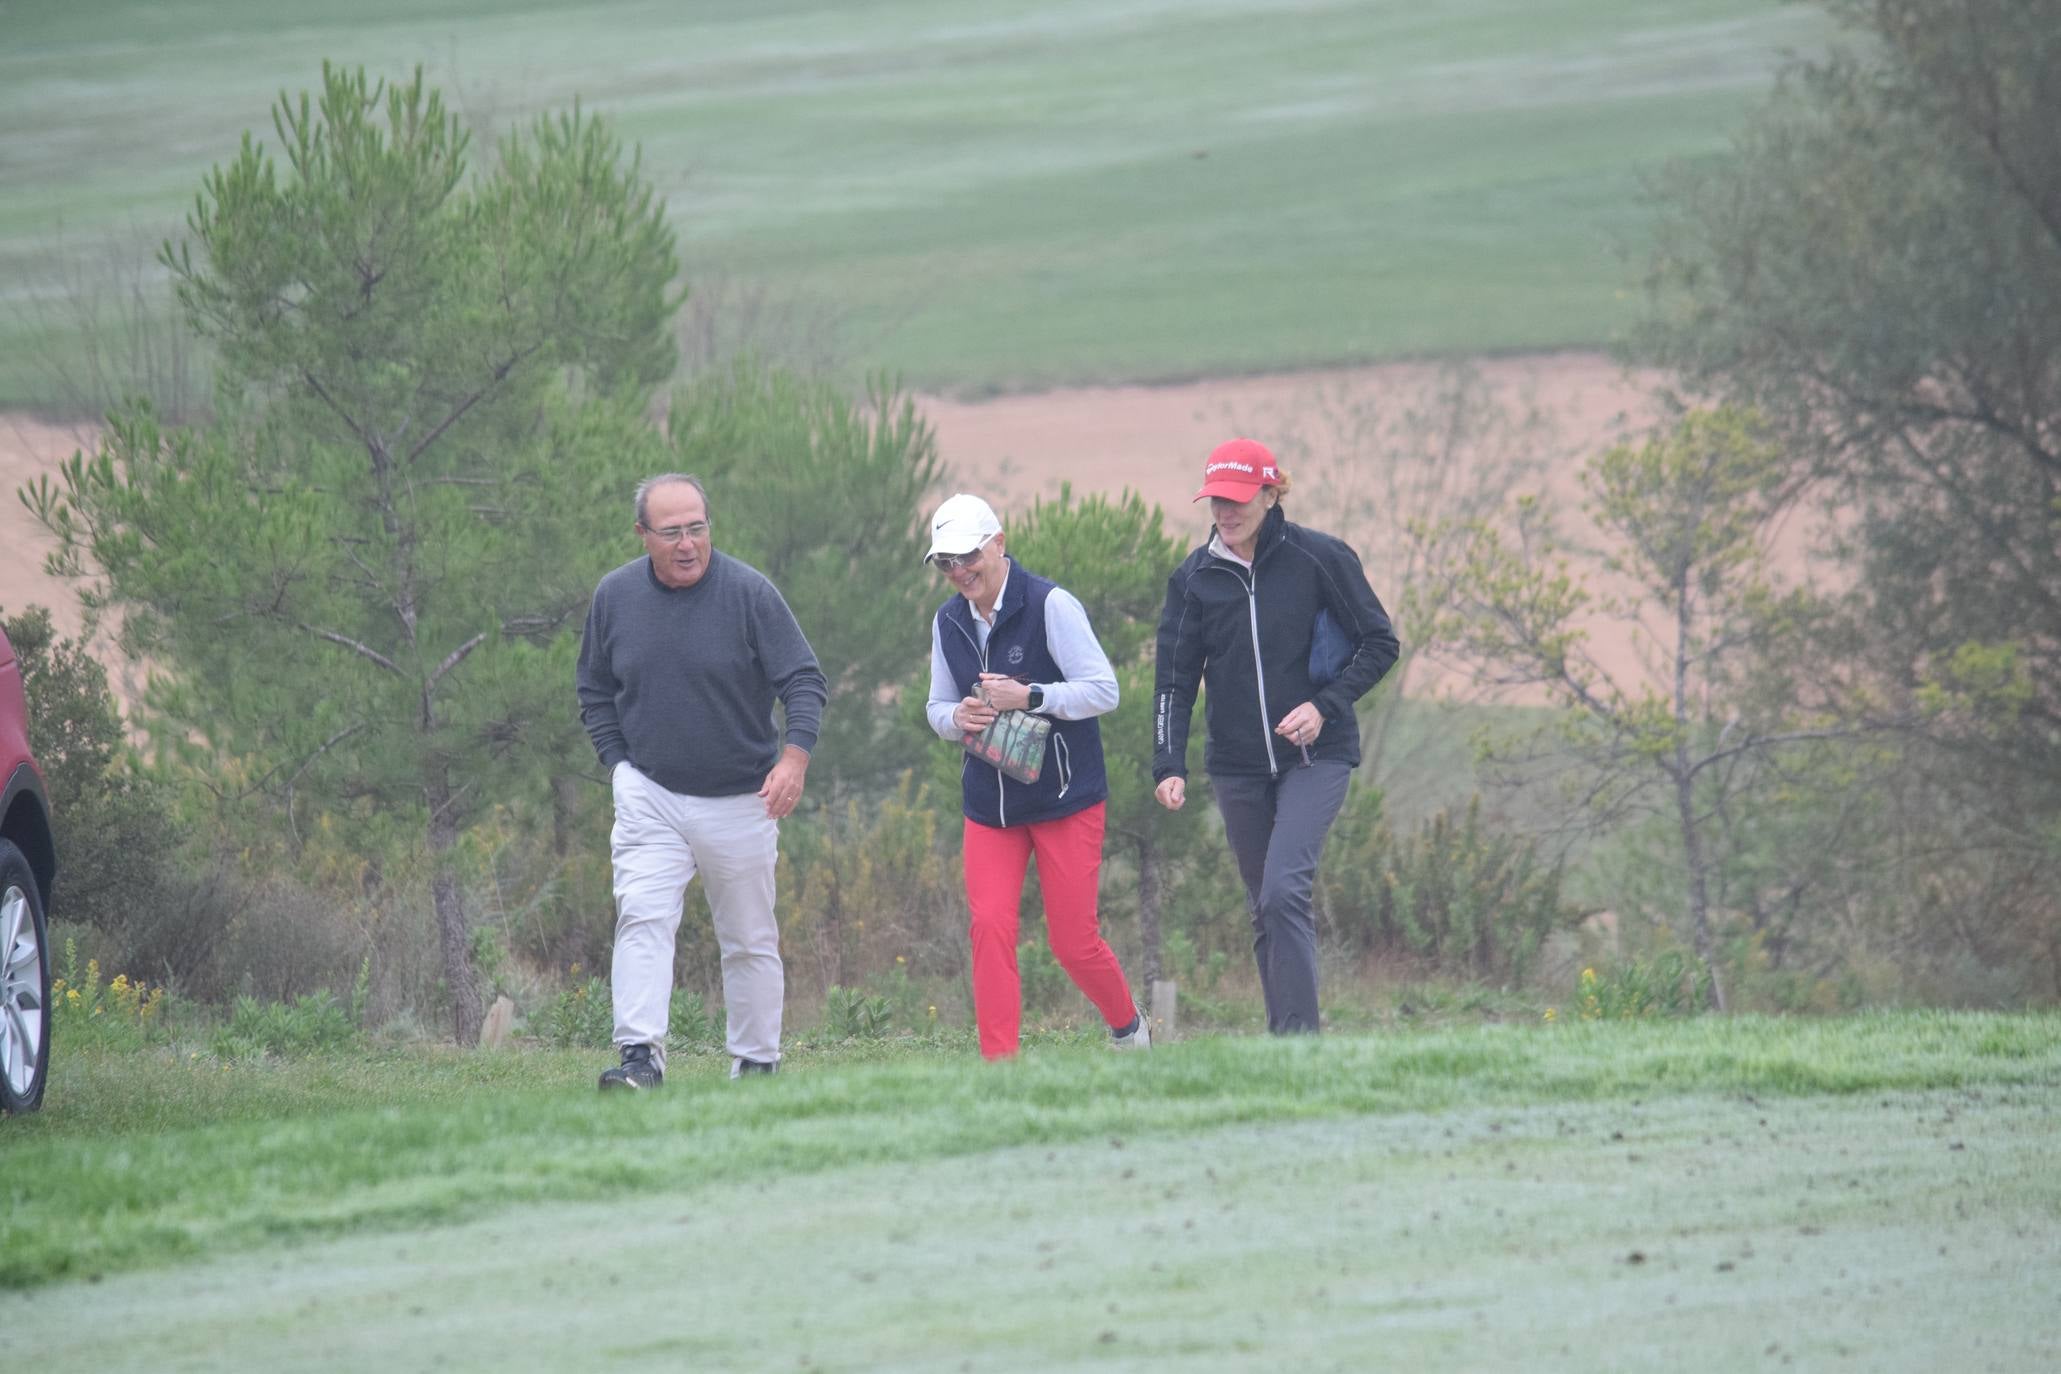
x=1874, y=1193
x=1008, y=196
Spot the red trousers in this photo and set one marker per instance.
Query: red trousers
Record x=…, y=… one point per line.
x=1069, y=854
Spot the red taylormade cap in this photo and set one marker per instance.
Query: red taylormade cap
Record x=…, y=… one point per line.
x=1237, y=469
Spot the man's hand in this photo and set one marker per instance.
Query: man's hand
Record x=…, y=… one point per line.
x=1172, y=793
x=783, y=786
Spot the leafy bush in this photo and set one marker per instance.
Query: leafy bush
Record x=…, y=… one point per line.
x=871, y=881
x=310, y=1024
x=580, y=1017
x=583, y=1018
x=1045, y=984
x=1465, y=898
x=1195, y=971
x=690, y=1025
x=1669, y=984
x=852, y=1014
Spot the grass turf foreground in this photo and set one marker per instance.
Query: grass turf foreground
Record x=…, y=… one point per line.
x=1874, y=1193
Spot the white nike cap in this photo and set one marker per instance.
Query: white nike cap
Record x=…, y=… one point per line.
x=961, y=525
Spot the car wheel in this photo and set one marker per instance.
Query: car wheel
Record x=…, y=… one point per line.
x=24, y=985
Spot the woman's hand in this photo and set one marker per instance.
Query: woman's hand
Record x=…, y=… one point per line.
x=973, y=715
x=1302, y=725
x=1172, y=793
x=1005, y=692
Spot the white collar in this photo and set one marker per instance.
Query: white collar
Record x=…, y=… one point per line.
x=1222, y=550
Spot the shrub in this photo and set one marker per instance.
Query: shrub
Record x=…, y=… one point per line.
x=1196, y=972
x=310, y=1024
x=689, y=1024
x=1465, y=898
x=871, y=881
x=581, y=1017
x=1046, y=987
x=852, y=1014
x=1669, y=984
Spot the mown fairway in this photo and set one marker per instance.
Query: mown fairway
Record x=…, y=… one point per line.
x=1003, y=195
x=1881, y=1193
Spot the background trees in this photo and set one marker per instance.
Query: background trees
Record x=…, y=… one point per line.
x=438, y=382
x=365, y=575
x=1689, y=514
x=1875, y=267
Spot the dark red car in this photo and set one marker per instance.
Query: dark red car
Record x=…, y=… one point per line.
x=28, y=863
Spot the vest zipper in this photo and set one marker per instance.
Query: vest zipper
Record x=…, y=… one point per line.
x=1001, y=797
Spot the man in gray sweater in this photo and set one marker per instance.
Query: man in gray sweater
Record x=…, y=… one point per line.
x=685, y=650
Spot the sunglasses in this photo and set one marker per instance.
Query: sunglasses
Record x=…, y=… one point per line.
x=952, y=562
x=673, y=534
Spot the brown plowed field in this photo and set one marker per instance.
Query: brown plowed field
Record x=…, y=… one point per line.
x=1100, y=439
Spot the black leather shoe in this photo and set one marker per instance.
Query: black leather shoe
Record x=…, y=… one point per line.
x=638, y=1070
x=739, y=1067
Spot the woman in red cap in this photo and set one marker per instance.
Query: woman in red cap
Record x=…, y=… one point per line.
x=1242, y=616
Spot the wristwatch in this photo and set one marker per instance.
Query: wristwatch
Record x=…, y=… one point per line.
x=1037, y=698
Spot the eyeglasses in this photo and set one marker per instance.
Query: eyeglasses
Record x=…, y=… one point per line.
x=952, y=562
x=673, y=534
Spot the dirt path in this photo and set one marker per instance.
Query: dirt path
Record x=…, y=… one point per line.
x=1152, y=439
x=30, y=449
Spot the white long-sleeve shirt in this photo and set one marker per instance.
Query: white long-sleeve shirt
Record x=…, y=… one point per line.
x=1090, y=686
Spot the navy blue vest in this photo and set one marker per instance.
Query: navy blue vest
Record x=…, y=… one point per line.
x=1073, y=778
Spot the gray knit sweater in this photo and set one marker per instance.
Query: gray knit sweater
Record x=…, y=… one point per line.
x=681, y=681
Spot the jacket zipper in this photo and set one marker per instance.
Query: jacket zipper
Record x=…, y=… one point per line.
x=1259, y=674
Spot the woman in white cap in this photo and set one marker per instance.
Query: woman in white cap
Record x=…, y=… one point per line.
x=1242, y=617
x=1010, y=640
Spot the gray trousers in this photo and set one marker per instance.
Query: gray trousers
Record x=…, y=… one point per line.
x=1276, y=827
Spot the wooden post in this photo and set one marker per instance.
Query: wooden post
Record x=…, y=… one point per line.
x=498, y=1026
x=1162, y=1012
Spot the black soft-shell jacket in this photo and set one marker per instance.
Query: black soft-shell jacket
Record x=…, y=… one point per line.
x=1246, y=635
